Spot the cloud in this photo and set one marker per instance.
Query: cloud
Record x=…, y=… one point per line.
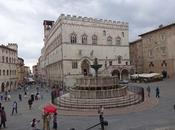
x=21, y=20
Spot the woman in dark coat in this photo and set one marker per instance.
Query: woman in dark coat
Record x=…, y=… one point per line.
x=3, y=118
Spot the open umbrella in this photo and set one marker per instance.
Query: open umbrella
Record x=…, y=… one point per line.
x=50, y=108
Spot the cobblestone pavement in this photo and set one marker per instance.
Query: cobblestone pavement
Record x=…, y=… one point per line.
x=21, y=120
x=158, y=117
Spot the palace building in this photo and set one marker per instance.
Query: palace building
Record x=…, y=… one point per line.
x=73, y=42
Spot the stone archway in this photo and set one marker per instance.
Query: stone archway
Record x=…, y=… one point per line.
x=124, y=74
x=85, y=67
x=116, y=73
x=7, y=86
x=2, y=87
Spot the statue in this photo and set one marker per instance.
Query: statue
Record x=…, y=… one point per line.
x=96, y=66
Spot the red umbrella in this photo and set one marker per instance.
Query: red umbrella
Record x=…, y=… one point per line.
x=50, y=108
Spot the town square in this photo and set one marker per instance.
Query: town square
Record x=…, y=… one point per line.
x=87, y=65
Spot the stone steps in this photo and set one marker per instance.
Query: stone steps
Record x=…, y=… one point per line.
x=67, y=103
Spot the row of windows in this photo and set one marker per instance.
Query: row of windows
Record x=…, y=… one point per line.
x=8, y=72
x=75, y=63
x=8, y=60
x=73, y=39
x=163, y=64
x=10, y=52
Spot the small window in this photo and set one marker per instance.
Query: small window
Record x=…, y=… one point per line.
x=123, y=34
x=151, y=64
x=2, y=59
x=110, y=63
x=73, y=38
x=109, y=40
x=118, y=40
x=74, y=65
x=0, y=72
x=126, y=63
x=3, y=72
x=84, y=39
x=164, y=63
x=6, y=59
x=7, y=72
x=94, y=39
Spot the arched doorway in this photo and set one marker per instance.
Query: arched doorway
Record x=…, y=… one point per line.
x=116, y=73
x=85, y=66
x=7, y=86
x=124, y=74
x=2, y=87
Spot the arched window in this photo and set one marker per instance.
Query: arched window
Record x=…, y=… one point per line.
x=118, y=40
x=94, y=39
x=73, y=38
x=84, y=39
x=109, y=40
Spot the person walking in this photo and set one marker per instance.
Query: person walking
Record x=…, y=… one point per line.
x=3, y=118
x=157, y=92
x=100, y=110
x=148, y=91
x=55, y=121
x=14, y=107
x=20, y=97
x=34, y=124
x=30, y=102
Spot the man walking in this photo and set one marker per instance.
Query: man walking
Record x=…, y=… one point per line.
x=14, y=107
x=157, y=92
x=3, y=118
x=30, y=102
x=55, y=121
x=20, y=97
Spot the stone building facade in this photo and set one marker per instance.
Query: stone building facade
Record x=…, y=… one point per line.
x=158, y=50
x=20, y=70
x=71, y=44
x=136, y=55
x=8, y=67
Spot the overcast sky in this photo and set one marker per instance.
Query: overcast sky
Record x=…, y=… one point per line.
x=21, y=20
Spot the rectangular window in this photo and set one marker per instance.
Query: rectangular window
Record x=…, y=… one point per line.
x=74, y=65
x=2, y=59
x=6, y=59
x=0, y=72
x=3, y=72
